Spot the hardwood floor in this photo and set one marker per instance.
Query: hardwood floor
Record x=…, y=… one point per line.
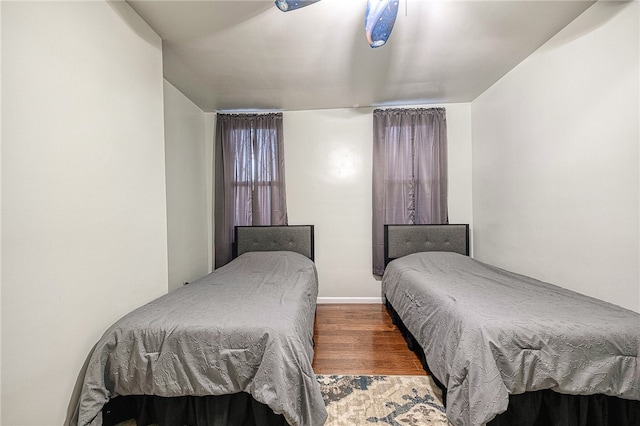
x=360, y=339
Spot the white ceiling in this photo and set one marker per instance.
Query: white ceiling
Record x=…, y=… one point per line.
x=248, y=55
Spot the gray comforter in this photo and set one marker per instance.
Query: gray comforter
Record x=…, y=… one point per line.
x=488, y=333
x=247, y=327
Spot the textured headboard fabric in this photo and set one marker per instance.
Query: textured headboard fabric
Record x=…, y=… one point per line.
x=296, y=238
x=401, y=240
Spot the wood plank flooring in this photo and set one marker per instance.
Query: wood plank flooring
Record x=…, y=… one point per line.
x=360, y=339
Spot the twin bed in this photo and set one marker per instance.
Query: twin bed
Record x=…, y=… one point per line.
x=234, y=347
x=505, y=348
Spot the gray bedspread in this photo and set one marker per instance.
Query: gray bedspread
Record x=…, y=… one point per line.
x=488, y=333
x=247, y=327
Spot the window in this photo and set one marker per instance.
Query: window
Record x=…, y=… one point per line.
x=250, y=186
x=409, y=171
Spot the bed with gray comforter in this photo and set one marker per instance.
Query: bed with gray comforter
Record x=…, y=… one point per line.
x=246, y=327
x=487, y=334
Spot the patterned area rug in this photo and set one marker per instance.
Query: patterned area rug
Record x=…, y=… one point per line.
x=391, y=400
x=385, y=400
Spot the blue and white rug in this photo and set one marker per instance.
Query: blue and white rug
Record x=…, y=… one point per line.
x=386, y=400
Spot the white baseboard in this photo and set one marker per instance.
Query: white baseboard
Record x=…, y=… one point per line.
x=326, y=300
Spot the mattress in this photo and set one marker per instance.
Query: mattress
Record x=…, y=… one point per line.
x=246, y=327
x=488, y=333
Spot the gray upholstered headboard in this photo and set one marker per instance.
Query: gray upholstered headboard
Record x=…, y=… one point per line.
x=401, y=240
x=296, y=238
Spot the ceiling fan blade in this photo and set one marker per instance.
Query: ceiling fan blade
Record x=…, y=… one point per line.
x=288, y=5
x=378, y=20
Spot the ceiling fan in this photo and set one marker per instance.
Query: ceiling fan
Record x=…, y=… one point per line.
x=379, y=18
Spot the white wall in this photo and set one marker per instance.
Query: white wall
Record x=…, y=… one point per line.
x=0, y=221
x=328, y=157
x=556, y=161
x=84, y=236
x=187, y=220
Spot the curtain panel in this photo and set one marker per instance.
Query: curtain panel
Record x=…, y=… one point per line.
x=409, y=171
x=250, y=183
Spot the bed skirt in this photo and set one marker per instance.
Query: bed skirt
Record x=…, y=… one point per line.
x=236, y=409
x=546, y=407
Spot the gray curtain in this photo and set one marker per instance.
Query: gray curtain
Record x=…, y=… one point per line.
x=409, y=171
x=249, y=184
